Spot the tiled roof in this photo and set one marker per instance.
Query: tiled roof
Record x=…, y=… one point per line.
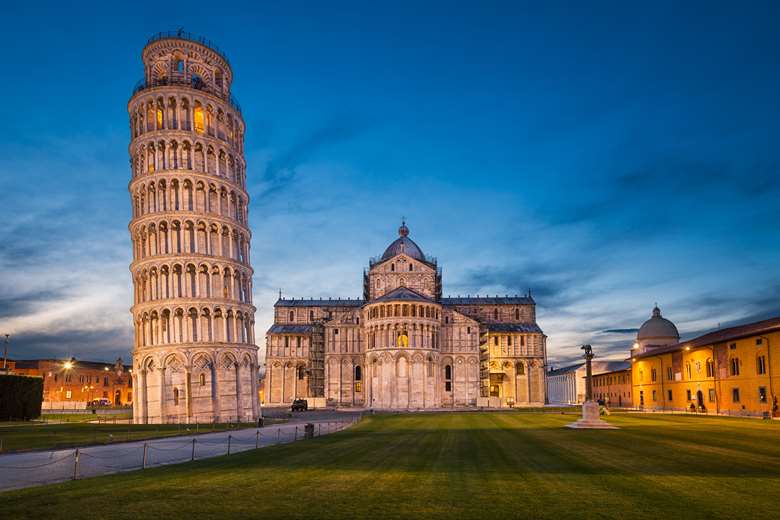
x=513, y=327
x=719, y=336
x=78, y=363
x=607, y=367
x=289, y=329
x=405, y=294
x=487, y=300
x=565, y=370
x=340, y=302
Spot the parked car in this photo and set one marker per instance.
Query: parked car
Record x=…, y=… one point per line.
x=101, y=401
x=299, y=405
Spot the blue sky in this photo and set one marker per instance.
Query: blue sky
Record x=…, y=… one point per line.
x=605, y=156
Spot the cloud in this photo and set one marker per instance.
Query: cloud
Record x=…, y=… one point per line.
x=281, y=169
x=620, y=331
x=639, y=198
x=24, y=303
x=92, y=345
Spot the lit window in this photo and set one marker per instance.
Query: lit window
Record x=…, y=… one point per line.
x=199, y=120
x=712, y=395
x=734, y=366
x=202, y=379
x=762, y=394
x=68, y=394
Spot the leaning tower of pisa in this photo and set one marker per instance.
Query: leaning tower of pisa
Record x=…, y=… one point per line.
x=194, y=357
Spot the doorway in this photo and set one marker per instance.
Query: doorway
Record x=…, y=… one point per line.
x=700, y=401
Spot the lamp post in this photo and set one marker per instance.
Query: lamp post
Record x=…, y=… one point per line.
x=5, y=353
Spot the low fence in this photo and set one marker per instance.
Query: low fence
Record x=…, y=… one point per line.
x=63, y=406
x=29, y=469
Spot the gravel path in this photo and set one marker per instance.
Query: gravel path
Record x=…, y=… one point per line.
x=19, y=470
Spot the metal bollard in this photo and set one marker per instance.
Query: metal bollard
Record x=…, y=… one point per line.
x=229, y=437
x=278, y=434
x=193, y=450
x=296, y=433
x=76, y=465
x=143, y=463
x=257, y=439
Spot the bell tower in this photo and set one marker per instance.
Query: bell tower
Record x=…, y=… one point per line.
x=194, y=357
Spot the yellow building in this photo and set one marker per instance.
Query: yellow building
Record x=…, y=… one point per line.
x=729, y=371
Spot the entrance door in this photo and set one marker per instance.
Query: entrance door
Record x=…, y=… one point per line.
x=118, y=398
x=700, y=401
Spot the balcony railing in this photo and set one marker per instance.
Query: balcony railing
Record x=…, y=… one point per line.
x=182, y=35
x=191, y=82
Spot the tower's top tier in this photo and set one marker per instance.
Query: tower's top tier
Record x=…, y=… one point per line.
x=181, y=58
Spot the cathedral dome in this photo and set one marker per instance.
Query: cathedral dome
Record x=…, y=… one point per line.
x=403, y=244
x=658, y=328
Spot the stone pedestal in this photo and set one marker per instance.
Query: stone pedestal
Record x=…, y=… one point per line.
x=590, y=419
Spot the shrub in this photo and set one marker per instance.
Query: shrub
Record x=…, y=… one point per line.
x=20, y=397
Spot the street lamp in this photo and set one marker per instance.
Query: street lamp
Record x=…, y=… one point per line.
x=5, y=353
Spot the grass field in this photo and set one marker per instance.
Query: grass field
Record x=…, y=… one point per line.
x=450, y=466
x=36, y=436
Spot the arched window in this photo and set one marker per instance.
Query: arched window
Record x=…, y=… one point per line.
x=199, y=119
x=179, y=65
x=301, y=372
x=495, y=314
x=311, y=315
x=358, y=379
x=517, y=314
x=392, y=267
x=448, y=378
x=292, y=316
x=411, y=267
x=202, y=379
x=520, y=369
x=734, y=366
x=176, y=396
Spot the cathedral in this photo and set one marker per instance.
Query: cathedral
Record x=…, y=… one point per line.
x=404, y=345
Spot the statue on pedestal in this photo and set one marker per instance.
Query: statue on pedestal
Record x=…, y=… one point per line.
x=590, y=408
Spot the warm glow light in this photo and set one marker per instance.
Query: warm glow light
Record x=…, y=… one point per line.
x=199, y=120
x=687, y=348
x=636, y=346
x=105, y=368
x=68, y=365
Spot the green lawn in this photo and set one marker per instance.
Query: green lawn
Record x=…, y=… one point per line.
x=452, y=466
x=35, y=436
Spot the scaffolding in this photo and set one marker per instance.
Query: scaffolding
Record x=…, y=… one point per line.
x=484, y=362
x=317, y=360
